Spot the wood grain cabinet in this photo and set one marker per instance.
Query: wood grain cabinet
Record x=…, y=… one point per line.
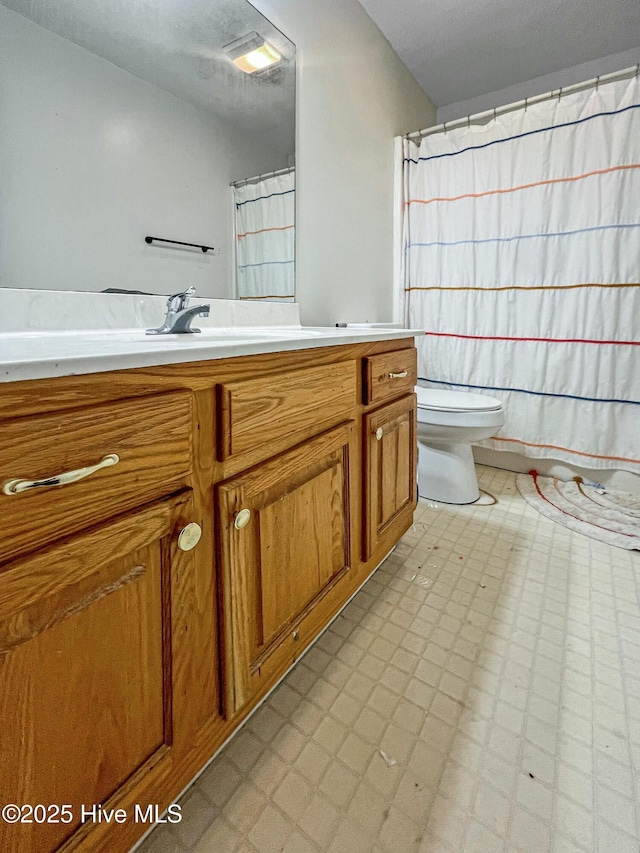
x=150, y=437
x=389, y=375
x=389, y=472
x=285, y=547
x=86, y=661
x=130, y=651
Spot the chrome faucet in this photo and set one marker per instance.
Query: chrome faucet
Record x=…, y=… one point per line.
x=179, y=315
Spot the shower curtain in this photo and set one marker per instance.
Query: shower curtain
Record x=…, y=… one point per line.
x=522, y=263
x=265, y=237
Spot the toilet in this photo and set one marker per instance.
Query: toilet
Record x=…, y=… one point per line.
x=448, y=422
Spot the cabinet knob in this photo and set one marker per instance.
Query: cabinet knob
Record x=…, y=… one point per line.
x=379, y=434
x=242, y=518
x=189, y=536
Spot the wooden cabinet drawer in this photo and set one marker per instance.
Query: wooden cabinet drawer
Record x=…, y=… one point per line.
x=259, y=412
x=389, y=375
x=150, y=435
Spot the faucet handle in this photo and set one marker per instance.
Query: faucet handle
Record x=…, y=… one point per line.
x=179, y=301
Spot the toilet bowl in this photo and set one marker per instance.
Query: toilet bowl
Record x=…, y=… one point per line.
x=448, y=422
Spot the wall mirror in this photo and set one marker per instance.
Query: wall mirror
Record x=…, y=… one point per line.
x=123, y=120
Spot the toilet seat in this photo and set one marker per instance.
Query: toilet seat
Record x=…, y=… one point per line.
x=455, y=401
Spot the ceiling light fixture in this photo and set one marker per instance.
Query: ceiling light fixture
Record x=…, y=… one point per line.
x=252, y=53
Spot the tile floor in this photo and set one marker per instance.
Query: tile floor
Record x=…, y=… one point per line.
x=480, y=694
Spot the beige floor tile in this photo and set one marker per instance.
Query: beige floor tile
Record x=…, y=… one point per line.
x=293, y=795
x=345, y=709
x=370, y=725
x=339, y=784
x=356, y=753
x=360, y=685
x=307, y=717
x=271, y=831
x=493, y=659
x=220, y=836
x=414, y=798
x=161, y=840
x=529, y=833
x=244, y=807
x=244, y=750
x=297, y=843
x=313, y=761
x=458, y=785
x=320, y=820
x=480, y=839
x=219, y=781
x=288, y=743
x=400, y=833
x=368, y=808
x=398, y=742
x=409, y=717
x=197, y=815
x=267, y=773
x=330, y=734
x=492, y=808
x=447, y=822
x=382, y=776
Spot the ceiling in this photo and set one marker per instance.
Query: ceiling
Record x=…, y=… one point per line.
x=459, y=49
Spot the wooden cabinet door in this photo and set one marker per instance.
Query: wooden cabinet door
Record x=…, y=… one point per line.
x=281, y=572
x=86, y=674
x=389, y=472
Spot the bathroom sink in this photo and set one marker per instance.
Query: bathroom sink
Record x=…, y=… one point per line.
x=257, y=332
x=213, y=335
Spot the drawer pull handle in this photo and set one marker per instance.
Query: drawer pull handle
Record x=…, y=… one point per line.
x=242, y=519
x=379, y=434
x=189, y=536
x=399, y=375
x=14, y=487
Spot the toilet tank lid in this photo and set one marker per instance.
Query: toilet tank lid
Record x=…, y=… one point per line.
x=456, y=401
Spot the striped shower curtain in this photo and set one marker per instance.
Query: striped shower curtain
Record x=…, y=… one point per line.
x=265, y=237
x=522, y=262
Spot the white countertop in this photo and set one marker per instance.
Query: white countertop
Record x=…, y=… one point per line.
x=42, y=355
x=62, y=333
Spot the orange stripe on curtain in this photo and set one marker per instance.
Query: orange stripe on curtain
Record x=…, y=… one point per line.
x=566, y=449
x=548, y=182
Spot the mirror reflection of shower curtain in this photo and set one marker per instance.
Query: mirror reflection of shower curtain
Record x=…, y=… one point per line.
x=265, y=237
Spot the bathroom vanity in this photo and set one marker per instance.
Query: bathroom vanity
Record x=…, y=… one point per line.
x=149, y=606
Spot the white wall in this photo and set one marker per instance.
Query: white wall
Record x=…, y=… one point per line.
x=59, y=223
x=92, y=159
x=540, y=85
x=354, y=95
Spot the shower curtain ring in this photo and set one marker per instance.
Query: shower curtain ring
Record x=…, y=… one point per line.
x=468, y=122
x=494, y=114
x=559, y=94
x=637, y=70
x=445, y=128
x=597, y=82
x=526, y=104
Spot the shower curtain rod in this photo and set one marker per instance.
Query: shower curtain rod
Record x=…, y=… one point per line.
x=480, y=118
x=261, y=177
